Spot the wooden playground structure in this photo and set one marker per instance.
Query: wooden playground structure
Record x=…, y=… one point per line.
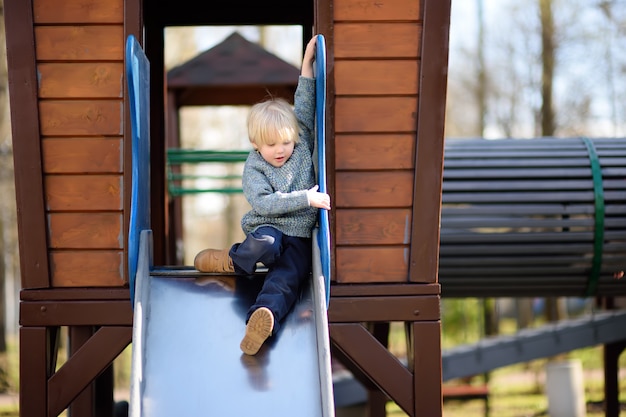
x=73, y=174
x=72, y=150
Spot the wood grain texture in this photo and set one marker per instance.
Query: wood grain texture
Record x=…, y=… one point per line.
x=85, y=230
x=374, y=189
x=372, y=226
x=78, y=11
x=375, y=114
x=82, y=155
x=374, y=151
x=81, y=80
x=377, y=40
x=79, y=43
x=372, y=264
x=81, y=117
x=346, y=10
x=83, y=193
x=86, y=268
x=376, y=77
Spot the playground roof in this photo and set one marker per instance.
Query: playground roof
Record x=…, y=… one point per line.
x=234, y=72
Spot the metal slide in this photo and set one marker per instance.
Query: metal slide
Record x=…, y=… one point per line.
x=187, y=326
x=186, y=356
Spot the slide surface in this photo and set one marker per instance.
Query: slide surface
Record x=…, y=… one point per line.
x=187, y=326
x=186, y=356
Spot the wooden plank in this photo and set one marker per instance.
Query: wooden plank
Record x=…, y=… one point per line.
x=375, y=114
x=75, y=294
x=452, y=251
x=470, y=163
x=502, y=222
x=374, y=189
x=374, y=151
x=372, y=227
x=497, y=153
x=34, y=355
x=372, y=264
x=87, y=268
x=79, y=43
x=383, y=309
x=81, y=80
x=78, y=11
x=81, y=118
x=519, y=173
x=85, y=230
x=77, y=193
x=489, y=186
x=520, y=236
x=82, y=155
x=377, y=40
x=22, y=82
x=611, y=184
x=84, y=402
x=487, y=260
x=381, y=290
x=376, y=77
x=520, y=197
x=372, y=10
x=427, y=367
x=77, y=313
x=530, y=209
x=429, y=155
x=510, y=143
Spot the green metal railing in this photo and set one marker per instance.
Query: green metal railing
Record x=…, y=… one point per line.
x=179, y=183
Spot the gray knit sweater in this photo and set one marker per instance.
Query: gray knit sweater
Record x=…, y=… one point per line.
x=278, y=195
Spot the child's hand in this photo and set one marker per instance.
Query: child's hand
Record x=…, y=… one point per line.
x=317, y=199
x=309, y=58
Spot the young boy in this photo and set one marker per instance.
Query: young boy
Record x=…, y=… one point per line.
x=279, y=183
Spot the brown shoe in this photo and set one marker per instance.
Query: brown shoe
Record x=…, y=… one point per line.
x=213, y=260
x=258, y=329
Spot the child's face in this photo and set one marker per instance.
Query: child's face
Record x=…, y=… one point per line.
x=276, y=154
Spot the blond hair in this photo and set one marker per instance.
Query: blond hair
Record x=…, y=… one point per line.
x=272, y=121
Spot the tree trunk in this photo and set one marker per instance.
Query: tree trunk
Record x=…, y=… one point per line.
x=548, y=58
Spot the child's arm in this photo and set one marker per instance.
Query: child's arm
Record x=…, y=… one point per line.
x=309, y=58
x=265, y=200
x=304, y=100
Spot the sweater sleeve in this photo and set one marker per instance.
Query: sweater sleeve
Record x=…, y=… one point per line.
x=267, y=202
x=304, y=107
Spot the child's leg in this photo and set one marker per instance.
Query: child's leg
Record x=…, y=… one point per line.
x=284, y=279
x=262, y=245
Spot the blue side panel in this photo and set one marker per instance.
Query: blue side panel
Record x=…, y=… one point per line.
x=320, y=126
x=138, y=78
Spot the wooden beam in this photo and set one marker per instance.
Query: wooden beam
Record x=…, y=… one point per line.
x=91, y=359
x=375, y=361
x=377, y=309
x=76, y=313
x=20, y=37
x=430, y=141
x=33, y=365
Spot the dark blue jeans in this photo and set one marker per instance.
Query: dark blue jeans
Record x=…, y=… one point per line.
x=288, y=260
